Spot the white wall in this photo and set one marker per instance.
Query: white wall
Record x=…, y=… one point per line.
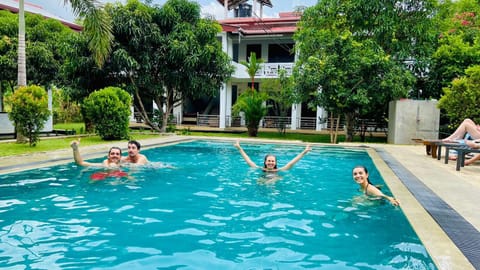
x=412, y=119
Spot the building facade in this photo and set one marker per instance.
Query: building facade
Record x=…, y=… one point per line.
x=271, y=39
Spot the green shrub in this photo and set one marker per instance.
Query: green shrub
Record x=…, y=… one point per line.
x=252, y=104
x=461, y=99
x=29, y=111
x=109, y=111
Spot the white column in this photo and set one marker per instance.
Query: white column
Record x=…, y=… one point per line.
x=225, y=96
x=293, y=124
x=49, y=124
x=177, y=112
x=223, y=105
x=321, y=119
x=228, y=107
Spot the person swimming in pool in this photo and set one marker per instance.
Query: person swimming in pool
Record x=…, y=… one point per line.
x=134, y=155
x=270, y=161
x=113, y=158
x=360, y=176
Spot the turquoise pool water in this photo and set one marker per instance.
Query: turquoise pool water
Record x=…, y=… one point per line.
x=209, y=212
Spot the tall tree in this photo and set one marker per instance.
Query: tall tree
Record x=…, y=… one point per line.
x=350, y=65
x=253, y=65
x=160, y=55
x=45, y=47
x=22, y=65
x=97, y=27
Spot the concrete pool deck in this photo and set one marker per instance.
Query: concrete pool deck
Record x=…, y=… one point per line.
x=442, y=204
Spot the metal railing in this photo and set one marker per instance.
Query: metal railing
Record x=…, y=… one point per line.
x=306, y=123
x=208, y=120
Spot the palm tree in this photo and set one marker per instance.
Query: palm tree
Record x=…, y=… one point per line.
x=252, y=103
x=22, y=68
x=97, y=26
x=253, y=65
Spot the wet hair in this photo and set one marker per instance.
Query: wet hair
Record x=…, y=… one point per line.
x=265, y=161
x=136, y=143
x=365, y=169
x=115, y=148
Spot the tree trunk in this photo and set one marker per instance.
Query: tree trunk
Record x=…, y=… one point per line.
x=252, y=131
x=22, y=66
x=349, y=126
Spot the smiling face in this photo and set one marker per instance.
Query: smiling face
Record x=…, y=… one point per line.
x=114, y=155
x=359, y=175
x=270, y=162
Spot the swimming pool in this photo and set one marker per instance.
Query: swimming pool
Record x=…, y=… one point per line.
x=211, y=211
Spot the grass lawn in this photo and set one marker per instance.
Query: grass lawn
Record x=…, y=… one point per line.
x=53, y=143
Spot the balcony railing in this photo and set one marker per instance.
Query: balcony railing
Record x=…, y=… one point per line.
x=271, y=70
x=266, y=70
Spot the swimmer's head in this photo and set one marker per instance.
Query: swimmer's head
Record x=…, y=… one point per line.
x=270, y=162
x=360, y=174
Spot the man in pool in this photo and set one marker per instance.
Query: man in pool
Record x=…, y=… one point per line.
x=113, y=158
x=134, y=155
x=270, y=161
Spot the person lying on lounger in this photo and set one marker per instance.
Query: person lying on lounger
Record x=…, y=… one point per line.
x=270, y=161
x=474, y=145
x=467, y=126
x=360, y=176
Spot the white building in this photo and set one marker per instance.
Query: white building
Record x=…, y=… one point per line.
x=271, y=39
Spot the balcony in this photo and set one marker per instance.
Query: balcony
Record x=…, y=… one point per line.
x=266, y=70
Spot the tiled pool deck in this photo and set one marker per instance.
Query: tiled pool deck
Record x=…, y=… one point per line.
x=442, y=204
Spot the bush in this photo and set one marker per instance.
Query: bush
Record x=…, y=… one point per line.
x=109, y=110
x=29, y=111
x=252, y=104
x=461, y=100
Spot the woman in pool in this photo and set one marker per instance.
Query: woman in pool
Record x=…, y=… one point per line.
x=360, y=175
x=113, y=158
x=270, y=161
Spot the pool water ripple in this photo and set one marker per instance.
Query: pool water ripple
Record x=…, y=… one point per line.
x=208, y=212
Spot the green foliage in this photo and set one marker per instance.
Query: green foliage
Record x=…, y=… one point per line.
x=109, y=110
x=252, y=104
x=458, y=43
x=166, y=53
x=45, y=40
x=281, y=96
x=352, y=52
x=29, y=111
x=64, y=109
x=461, y=99
x=253, y=65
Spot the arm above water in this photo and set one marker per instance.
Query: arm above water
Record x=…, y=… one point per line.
x=374, y=191
x=296, y=159
x=78, y=158
x=244, y=155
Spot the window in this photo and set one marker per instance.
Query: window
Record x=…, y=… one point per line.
x=255, y=48
x=281, y=53
x=235, y=52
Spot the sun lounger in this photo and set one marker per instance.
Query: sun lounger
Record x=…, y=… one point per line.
x=462, y=151
x=431, y=146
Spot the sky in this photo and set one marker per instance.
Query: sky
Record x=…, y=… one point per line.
x=211, y=7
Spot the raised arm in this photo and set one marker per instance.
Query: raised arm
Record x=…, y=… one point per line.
x=78, y=158
x=244, y=155
x=76, y=154
x=296, y=159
